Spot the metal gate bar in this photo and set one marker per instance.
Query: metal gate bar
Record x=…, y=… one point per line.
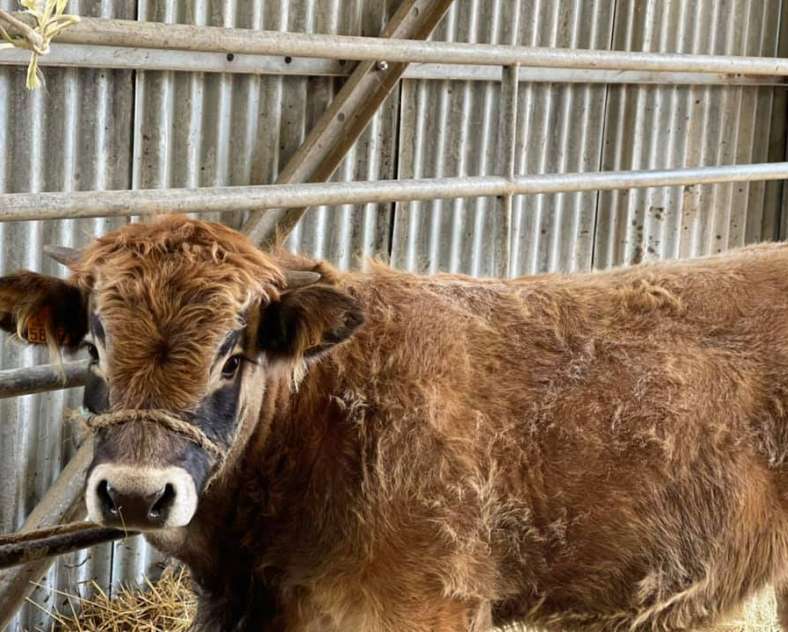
x=81, y=204
x=506, y=164
x=43, y=378
x=120, y=58
x=128, y=33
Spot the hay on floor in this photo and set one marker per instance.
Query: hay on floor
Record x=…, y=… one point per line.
x=167, y=605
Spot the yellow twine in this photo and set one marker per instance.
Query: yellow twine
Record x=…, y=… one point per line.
x=49, y=22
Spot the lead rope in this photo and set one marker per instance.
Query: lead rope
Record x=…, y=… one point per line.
x=168, y=421
x=49, y=19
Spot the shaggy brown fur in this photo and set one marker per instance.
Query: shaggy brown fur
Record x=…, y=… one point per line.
x=600, y=451
x=167, y=293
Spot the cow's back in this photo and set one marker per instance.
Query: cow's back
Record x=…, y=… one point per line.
x=594, y=450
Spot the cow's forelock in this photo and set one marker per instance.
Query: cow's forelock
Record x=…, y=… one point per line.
x=161, y=355
x=166, y=295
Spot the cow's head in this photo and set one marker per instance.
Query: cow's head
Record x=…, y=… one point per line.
x=184, y=322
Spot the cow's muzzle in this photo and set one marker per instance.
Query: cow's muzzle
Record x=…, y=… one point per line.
x=140, y=498
x=147, y=495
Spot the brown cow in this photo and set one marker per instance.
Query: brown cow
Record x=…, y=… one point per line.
x=390, y=452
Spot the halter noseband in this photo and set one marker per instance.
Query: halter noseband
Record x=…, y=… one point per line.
x=162, y=418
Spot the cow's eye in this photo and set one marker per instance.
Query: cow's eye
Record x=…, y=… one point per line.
x=230, y=367
x=92, y=351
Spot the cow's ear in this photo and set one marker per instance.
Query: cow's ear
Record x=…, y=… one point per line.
x=307, y=322
x=42, y=310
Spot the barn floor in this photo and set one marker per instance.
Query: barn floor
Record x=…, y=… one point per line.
x=167, y=606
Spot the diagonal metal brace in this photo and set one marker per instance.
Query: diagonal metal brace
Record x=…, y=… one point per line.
x=346, y=118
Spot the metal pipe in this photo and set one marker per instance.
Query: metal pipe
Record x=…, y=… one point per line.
x=128, y=33
x=118, y=57
x=39, y=379
x=80, y=204
x=536, y=74
x=505, y=164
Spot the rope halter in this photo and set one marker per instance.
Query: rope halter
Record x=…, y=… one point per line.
x=165, y=419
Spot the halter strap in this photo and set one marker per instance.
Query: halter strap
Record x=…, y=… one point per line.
x=162, y=418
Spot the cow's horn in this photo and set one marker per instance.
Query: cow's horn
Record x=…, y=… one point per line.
x=62, y=254
x=300, y=278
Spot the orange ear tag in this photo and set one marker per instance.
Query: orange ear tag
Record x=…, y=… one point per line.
x=36, y=327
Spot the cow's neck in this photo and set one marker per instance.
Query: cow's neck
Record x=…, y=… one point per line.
x=304, y=463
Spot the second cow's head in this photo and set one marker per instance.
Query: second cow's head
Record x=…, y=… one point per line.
x=185, y=320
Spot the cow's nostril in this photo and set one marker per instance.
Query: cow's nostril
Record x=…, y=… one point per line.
x=104, y=492
x=163, y=503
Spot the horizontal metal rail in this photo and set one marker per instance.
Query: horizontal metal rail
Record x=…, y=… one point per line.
x=535, y=74
x=39, y=379
x=186, y=37
x=117, y=57
x=81, y=204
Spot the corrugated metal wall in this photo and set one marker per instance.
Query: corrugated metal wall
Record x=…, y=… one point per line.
x=656, y=127
x=114, y=129
x=449, y=128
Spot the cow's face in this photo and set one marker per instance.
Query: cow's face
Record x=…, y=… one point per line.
x=184, y=323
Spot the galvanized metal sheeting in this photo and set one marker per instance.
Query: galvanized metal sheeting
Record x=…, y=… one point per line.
x=449, y=129
x=119, y=129
x=653, y=127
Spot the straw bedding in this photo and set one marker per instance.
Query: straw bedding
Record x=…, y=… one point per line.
x=164, y=606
